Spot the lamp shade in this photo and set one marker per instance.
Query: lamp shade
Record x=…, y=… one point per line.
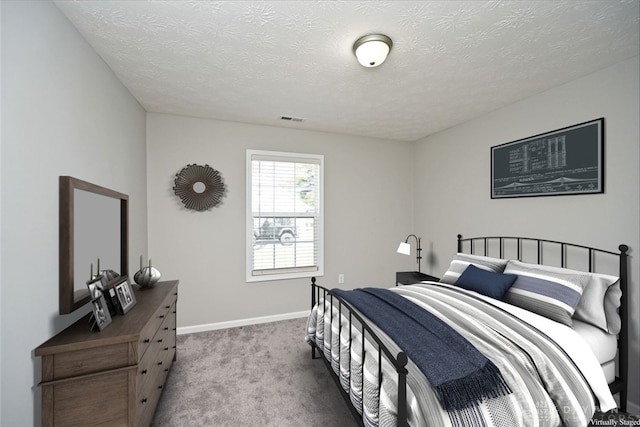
x=372, y=50
x=404, y=248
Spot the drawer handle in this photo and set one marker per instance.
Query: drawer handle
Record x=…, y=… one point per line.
x=174, y=312
x=166, y=348
x=166, y=328
x=160, y=387
x=167, y=306
x=159, y=363
x=144, y=400
x=162, y=316
x=144, y=372
x=160, y=340
x=166, y=369
x=147, y=340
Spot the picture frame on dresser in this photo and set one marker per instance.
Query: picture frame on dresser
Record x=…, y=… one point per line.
x=125, y=295
x=101, y=312
x=96, y=286
x=101, y=317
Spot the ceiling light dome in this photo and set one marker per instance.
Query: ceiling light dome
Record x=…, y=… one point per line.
x=372, y=50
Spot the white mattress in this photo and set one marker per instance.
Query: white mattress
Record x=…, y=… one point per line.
x=609, y=370
x=604, y=345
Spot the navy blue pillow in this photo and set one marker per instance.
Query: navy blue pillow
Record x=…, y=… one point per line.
x=488, y=283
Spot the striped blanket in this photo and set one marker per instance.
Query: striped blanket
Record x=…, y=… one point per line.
x=459, y=373
x=547, y=387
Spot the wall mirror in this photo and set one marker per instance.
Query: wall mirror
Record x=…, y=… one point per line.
x=94, y=224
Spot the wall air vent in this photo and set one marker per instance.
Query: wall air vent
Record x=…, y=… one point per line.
x=291, y=119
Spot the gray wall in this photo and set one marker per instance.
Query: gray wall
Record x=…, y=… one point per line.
x=367, y=213
x=452, y=171
x=63, y=113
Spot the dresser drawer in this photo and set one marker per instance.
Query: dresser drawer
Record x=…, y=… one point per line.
x=82, y=401
x=151, y=386
x=168, y=326
x=146, y=404
x=153, y=369
x=156, y=361
x=154, y=356
x=90, y=360
x=146, y=369
x=146, y=410
x=156, y=321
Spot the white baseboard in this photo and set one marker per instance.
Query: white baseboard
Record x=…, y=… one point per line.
x=241, y=322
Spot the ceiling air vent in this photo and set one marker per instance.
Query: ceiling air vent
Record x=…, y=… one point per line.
x=291, y=119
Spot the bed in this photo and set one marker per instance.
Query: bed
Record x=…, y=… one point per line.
x=518, y=331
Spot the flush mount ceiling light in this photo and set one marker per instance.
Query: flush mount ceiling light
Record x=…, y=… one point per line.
x=372, y=49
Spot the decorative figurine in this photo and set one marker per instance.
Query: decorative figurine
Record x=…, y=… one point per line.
x=146, y=277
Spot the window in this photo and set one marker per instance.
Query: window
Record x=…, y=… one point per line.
x=284, y=215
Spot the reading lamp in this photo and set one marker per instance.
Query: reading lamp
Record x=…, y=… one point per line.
x=405, y=248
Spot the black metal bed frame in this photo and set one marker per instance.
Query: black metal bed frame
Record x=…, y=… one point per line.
x=399, y=361
x=619, y=384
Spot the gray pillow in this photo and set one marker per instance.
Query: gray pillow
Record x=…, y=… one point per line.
x=549, y=291
x=461, y=261
x=600, y=299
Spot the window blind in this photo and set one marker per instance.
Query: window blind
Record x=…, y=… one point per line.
x=284, y=215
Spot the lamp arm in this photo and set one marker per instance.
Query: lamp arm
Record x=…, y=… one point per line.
x=418, y=248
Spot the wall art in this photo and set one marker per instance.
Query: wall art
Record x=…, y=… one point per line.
x=199, y=187
x=561, y=162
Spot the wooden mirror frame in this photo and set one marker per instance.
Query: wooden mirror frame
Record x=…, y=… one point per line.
x=69, y=298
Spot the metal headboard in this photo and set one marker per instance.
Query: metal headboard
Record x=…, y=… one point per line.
x=482, y=245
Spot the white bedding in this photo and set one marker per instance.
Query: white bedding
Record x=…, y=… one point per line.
x=588, y=347
x=569, y=340
x=603, y=345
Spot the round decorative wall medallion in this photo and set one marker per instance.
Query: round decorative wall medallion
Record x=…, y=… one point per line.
x=199, y=187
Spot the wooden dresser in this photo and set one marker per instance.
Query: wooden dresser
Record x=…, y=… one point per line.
x=114, y=377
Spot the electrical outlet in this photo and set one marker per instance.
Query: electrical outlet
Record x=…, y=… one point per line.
x=340, y=278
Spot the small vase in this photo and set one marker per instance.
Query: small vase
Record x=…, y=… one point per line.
x=146, y=277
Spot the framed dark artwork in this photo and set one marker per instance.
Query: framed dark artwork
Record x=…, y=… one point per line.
x=561, y=162
x=101, y=318
x=125, y=295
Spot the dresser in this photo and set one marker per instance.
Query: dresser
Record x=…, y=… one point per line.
x=114, y=377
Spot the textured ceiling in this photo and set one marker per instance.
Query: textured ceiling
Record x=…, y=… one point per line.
x=254, y=62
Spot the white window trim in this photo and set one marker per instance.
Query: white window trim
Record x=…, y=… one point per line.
x=299, y=273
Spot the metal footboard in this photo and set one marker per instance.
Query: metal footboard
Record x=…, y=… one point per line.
x=398, y=361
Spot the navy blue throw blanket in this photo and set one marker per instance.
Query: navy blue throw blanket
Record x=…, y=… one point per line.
x=460, y=374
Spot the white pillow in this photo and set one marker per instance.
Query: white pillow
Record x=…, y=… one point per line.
x=461, y=261
x=600, y=299
x=553, y=294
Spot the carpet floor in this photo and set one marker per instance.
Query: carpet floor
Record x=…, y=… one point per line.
x=261, y=375
x=258, y=375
